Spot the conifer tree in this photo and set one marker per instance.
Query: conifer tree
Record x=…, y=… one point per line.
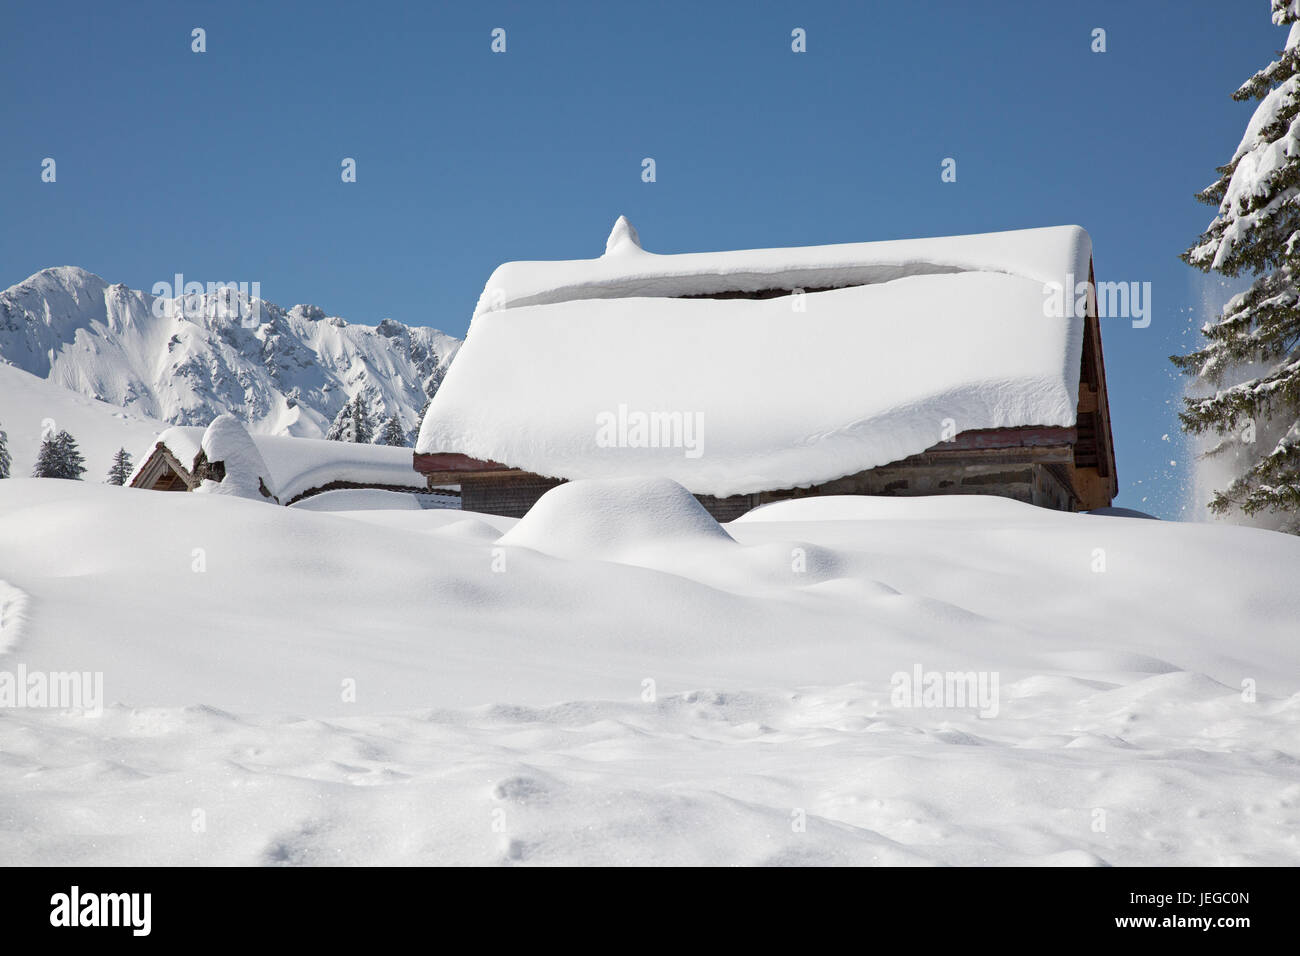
x=121, y=469
x=414, y=435
x=431, y=386
x=363, y=427
x=353, y=422
x=340, y=423
x=45, y=466
x=392, y=433
x=1251, y=353
x=6, y=462
x=70, y=459
x=59, y=457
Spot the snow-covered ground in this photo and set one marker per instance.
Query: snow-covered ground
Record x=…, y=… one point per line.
x=375, y=499
x=616, y=679
x=30, y=407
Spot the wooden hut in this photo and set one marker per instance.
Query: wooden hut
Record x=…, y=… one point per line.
x=298, y=468
x=913, y=367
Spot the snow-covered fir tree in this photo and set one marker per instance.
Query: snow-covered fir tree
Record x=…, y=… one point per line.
x=413, y=436
x=431, y=386
x=363, y=427
x=1251, y=356
x=6, y=462
x=46, y=460
x=353, y=422
x=340, y=423
x=70, y=455
x=392, y=432
x=121, y=468
x=59, y=457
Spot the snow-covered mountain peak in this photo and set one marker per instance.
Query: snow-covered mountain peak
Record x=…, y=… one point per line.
x=311, y=313
x=61, y=284
x=188, y=359
x=66, y=277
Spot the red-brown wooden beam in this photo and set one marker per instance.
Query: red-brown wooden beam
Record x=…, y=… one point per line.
x=454, y=462
x=976, y=438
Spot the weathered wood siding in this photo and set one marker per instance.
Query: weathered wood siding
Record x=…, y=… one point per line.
x=509, y=493
x=1034, y=465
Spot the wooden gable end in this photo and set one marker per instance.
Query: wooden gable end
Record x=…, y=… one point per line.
x=162, y=471
x=1093, y=470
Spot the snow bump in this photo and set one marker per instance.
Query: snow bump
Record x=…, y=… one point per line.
x=615, y=519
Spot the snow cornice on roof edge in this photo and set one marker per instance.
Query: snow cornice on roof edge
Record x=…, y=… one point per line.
x=626, y=270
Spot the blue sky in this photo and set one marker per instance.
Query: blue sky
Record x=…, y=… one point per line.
x=225, y=165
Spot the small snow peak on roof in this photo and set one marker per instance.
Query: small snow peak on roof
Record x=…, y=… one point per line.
x=622, y=238
x=225, y=433
x=244, y=473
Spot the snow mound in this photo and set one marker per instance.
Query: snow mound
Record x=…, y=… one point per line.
x=246, y=476
x=884, y=508
x=615, y=520
x=360, y=499
x=469, y=529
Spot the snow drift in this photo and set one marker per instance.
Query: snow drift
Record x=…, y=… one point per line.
x=615, y=519
x=524, y=690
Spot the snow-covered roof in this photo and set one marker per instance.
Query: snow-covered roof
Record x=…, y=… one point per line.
x=183, y=441
x=913, y=339
x=297, y=465
x=627, y=270
x=246, y=473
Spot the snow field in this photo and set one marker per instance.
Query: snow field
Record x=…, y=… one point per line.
x=501, y=711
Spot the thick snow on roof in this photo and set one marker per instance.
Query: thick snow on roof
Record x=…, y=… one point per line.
x=625, y=270
x=227, y=440
x=183, y=441
x=300, y=464
x=950, y=335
